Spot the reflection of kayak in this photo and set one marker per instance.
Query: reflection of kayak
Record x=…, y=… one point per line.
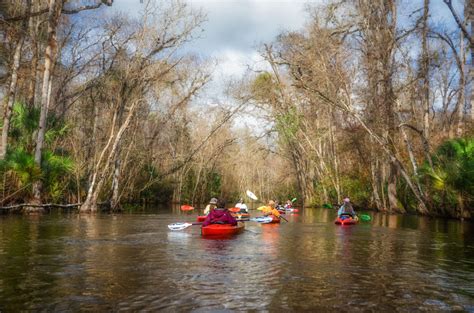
x=221, y=229
x=346, y=220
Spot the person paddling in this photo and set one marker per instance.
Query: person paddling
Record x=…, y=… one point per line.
x=288, y=204
x=242, y=206
x=220, y=215
x=270, y=209
x=211, y=206
x=346, y=209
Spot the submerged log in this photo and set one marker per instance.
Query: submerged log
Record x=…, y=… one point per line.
x=35, y=208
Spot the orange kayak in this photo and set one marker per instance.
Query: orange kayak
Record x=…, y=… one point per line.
x=222, y=229
x=346, y=220
x=186, y=207
x=242, y=215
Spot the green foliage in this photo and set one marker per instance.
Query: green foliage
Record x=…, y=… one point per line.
x=358, y=189
x=56, y=170
x=19, y=164
x=288, y=124
x=264, y=88
x=214, y=184
x=24, y=123
x=451, y=180
x=159, y=192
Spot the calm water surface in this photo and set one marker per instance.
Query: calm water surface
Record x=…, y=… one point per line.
x=132, y=262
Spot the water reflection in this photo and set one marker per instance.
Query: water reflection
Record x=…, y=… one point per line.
x=133, y=262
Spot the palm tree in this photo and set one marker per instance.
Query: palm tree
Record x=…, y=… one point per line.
x=451, y=179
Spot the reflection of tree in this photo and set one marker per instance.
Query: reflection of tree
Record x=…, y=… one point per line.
x=29, y=262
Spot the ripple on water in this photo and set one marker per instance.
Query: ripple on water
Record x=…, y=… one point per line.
x=134, y=263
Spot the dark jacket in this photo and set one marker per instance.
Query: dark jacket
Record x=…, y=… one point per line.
x=219, y=216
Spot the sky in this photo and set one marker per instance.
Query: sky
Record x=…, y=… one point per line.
x=235, y=30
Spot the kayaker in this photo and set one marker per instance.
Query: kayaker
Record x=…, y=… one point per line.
x=220, y=215
x=270, y=209
x=346, y=208
x=210, y=206
x=288, y=204
x=242, y=206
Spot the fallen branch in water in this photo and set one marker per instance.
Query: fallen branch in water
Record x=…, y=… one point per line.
x=47, y=205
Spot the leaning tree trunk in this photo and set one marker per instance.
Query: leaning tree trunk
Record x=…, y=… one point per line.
x=101, y=171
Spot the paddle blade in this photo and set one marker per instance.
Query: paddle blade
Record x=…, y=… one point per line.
x=261, y=208
x=262, y=219
x=251, y=195
x=365, y=217
x=293, y=200
x=179, y=226
x=186, y=207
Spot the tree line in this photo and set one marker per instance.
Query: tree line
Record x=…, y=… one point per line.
x=369, y=100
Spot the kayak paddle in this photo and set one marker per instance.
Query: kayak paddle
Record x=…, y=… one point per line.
x=281, y=217
x=261, y=219
x=365, y=217
x=181, y=226
x=251, y=195
x=293, y=200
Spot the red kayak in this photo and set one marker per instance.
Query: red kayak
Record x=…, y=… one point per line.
x=222, y=229
x=346, y=220
x=186, y=207
x=275, y=219
x=201, y=218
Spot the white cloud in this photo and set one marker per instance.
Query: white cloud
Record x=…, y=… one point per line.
x=236, y=28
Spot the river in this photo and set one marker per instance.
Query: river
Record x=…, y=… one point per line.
x=133, y=262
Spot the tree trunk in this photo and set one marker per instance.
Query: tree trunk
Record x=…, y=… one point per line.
x=10, y=98
x=114, y=201
x=53, y=18
x=425, y=71
x=462, y=89
x=34, y=24
x=100, y=172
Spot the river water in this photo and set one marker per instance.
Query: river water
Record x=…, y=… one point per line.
x=132, y=262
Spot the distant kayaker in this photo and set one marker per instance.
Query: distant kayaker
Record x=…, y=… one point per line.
x=346, y=208
x=211, y=206
x=220, y=215
x=242, y=206
x=288, y=204
x=270, y=209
